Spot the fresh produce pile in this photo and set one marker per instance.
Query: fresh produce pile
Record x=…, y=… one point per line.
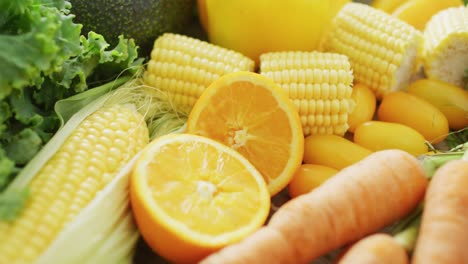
x=336, y=134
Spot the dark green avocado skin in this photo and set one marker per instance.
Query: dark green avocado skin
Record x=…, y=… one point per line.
x=142, y=20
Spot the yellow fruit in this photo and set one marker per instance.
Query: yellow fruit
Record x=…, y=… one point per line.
x=309, y=177
x=365, y=106
x=378, y=135
x=387, y=5
x=415, y=112
x=418, y=12
x=448, y=98
x=333, y=151
x=251, y=114
x=260, y=26
x=191, y=196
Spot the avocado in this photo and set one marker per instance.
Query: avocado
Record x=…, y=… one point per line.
x=142, y=20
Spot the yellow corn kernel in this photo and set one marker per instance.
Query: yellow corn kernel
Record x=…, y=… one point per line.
x=319, y=85
x=446, y=49
x=384, y=52
x=184, y=66
x=86, y=162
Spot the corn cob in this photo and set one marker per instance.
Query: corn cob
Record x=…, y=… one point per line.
x=184, y=67
x=88, y=160
x=384, y=52
x=319, y=84
x=446, y=45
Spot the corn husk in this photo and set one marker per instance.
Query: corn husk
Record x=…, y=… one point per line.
x=104, y=231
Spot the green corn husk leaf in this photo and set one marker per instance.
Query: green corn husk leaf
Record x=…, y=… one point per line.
x=431, y=163
x=104, y=231
x=117, y=249
x=66, y=108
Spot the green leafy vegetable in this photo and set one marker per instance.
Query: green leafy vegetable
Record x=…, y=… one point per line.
x=457, y=138
x=11, y=203
x=44, y=59
x=7, y=166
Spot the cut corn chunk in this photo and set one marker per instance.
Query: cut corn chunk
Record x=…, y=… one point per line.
x=384, y=52
x=185, y=67
x=318, y=83
x=446, y=45
x=84, y=164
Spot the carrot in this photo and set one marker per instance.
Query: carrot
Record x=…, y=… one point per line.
x=375, y=249
x=357, y=201
x=443, y=234
x=256, y=248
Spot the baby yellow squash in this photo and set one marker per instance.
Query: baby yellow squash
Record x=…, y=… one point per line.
x=365, y=106
x=332, y=151
x=451, y=100
x=378, y=135
x=408, y=109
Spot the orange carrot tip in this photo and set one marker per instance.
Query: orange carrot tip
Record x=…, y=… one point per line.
x=375, y=249
x=443, y=233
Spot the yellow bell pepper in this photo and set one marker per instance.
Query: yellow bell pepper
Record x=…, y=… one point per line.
x=387, y=5
x=260, y=26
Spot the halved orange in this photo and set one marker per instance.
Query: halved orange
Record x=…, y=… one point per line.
x=191, y=196
x=253, y=115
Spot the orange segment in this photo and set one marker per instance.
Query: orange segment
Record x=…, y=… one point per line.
x=192, y=195
x=252, y=115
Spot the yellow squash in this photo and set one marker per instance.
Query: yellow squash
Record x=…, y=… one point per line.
x=448, y=98
x=418, y=12
x=415, y=112
x=309, y=177
x=378, y=135
x=333, y=151
x=365, y=106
